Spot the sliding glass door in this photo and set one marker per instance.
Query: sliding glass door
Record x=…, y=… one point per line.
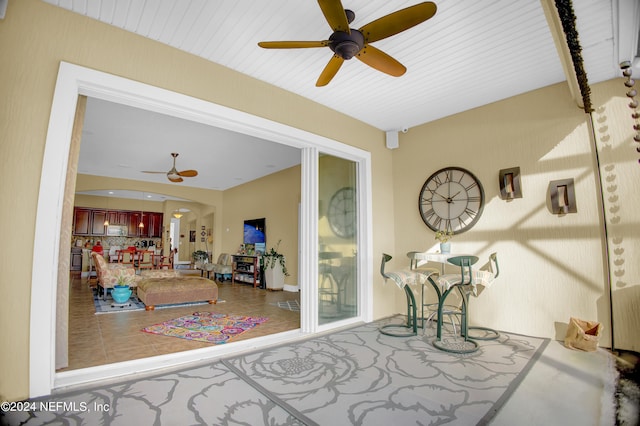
x=337, y=239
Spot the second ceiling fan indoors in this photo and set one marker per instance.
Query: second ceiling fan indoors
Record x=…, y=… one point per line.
x=174, y=175
x=346, y=42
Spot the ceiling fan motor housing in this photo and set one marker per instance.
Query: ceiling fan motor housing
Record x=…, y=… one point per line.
x=346, y=45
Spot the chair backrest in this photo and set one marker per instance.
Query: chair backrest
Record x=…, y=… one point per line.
x=385, y=259
x=464, y=262
x=146, y=256
x=125, y=256
x=225, y=259
x=99, y=261
x=493, y=258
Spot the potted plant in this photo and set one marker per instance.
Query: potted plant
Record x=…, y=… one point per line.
x=444, y=237
x=199, y=256
x=275, y=268
x=121, y=291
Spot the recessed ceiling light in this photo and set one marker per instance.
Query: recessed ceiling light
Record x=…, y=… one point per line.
x=124, y=166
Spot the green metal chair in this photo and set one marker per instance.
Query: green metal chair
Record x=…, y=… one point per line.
x=411, y=326
x=463, y=282
x=488, y=333
x=450, y=311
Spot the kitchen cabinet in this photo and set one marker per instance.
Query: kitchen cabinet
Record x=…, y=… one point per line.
x=118, y=217
x=87, y=221
x=76, y=259
x=134, y=221
x=98, y=218
x=155, y=225
x=81, y=221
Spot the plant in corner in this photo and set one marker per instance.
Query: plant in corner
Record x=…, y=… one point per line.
x=273, y=257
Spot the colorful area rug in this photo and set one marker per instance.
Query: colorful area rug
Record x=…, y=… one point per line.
x=290, y=305
x=207, y=327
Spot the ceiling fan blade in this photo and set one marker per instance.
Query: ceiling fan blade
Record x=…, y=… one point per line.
x=379, y=60
x=329, y=71
x=146, y=171
x=335, y=15
x=397, y=22
x=178, y=179
x=188, y=173
x=292, y=44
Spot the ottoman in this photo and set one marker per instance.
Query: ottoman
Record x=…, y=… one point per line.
x=172, y=290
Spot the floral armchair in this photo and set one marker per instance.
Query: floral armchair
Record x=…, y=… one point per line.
x=109, y=273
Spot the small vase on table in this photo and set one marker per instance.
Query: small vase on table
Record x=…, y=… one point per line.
x=445, y=248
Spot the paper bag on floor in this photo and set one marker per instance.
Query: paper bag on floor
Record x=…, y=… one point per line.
x=583, y=335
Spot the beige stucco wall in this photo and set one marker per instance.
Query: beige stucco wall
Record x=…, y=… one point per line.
x=551, y=267
x=276, y=198
x=34, y=38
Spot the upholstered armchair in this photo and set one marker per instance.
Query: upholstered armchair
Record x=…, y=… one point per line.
x=108, y=273
x=222, y=268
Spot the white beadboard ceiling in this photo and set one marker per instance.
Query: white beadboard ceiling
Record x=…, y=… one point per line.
x=469, y=54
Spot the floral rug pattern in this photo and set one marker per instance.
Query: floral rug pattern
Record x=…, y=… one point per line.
x=208, y=327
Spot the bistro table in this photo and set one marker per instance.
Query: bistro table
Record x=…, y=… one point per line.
x=444, y=284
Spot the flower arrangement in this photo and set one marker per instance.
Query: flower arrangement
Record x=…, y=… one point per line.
x=444, y=236
x=272, y=257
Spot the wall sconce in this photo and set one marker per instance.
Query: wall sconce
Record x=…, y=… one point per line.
x=563, y=196
x=510, y=187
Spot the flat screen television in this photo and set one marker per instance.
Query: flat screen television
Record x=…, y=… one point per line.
x=255, y=235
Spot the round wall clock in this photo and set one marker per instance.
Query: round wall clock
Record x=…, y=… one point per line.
x=342, y=212
x=451, y=199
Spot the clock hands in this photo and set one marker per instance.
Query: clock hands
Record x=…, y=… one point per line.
x=447, y=199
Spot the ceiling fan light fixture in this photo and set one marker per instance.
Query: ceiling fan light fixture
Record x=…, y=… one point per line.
x=346, y=45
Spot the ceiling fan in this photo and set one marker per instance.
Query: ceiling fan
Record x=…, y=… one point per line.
x=173, y=174
x=346, y=42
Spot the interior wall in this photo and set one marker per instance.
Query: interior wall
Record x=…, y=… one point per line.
x=552, y=266
x=29, y=66
x=276, y=198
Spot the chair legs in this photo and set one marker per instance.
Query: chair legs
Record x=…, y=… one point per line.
x=411, y=326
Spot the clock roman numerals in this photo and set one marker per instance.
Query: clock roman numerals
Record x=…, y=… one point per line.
x=451, y=199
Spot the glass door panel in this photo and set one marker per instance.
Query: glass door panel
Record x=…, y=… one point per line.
x=337, y=239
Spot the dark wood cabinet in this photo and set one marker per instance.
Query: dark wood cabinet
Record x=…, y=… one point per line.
x=118, y=217
x=76, y=259
x=87, y=221
x=98, y=218
x=155, y=225
x=81, y=221
x=134, y=221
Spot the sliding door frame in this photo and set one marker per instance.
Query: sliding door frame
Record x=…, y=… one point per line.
x=73, y=81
